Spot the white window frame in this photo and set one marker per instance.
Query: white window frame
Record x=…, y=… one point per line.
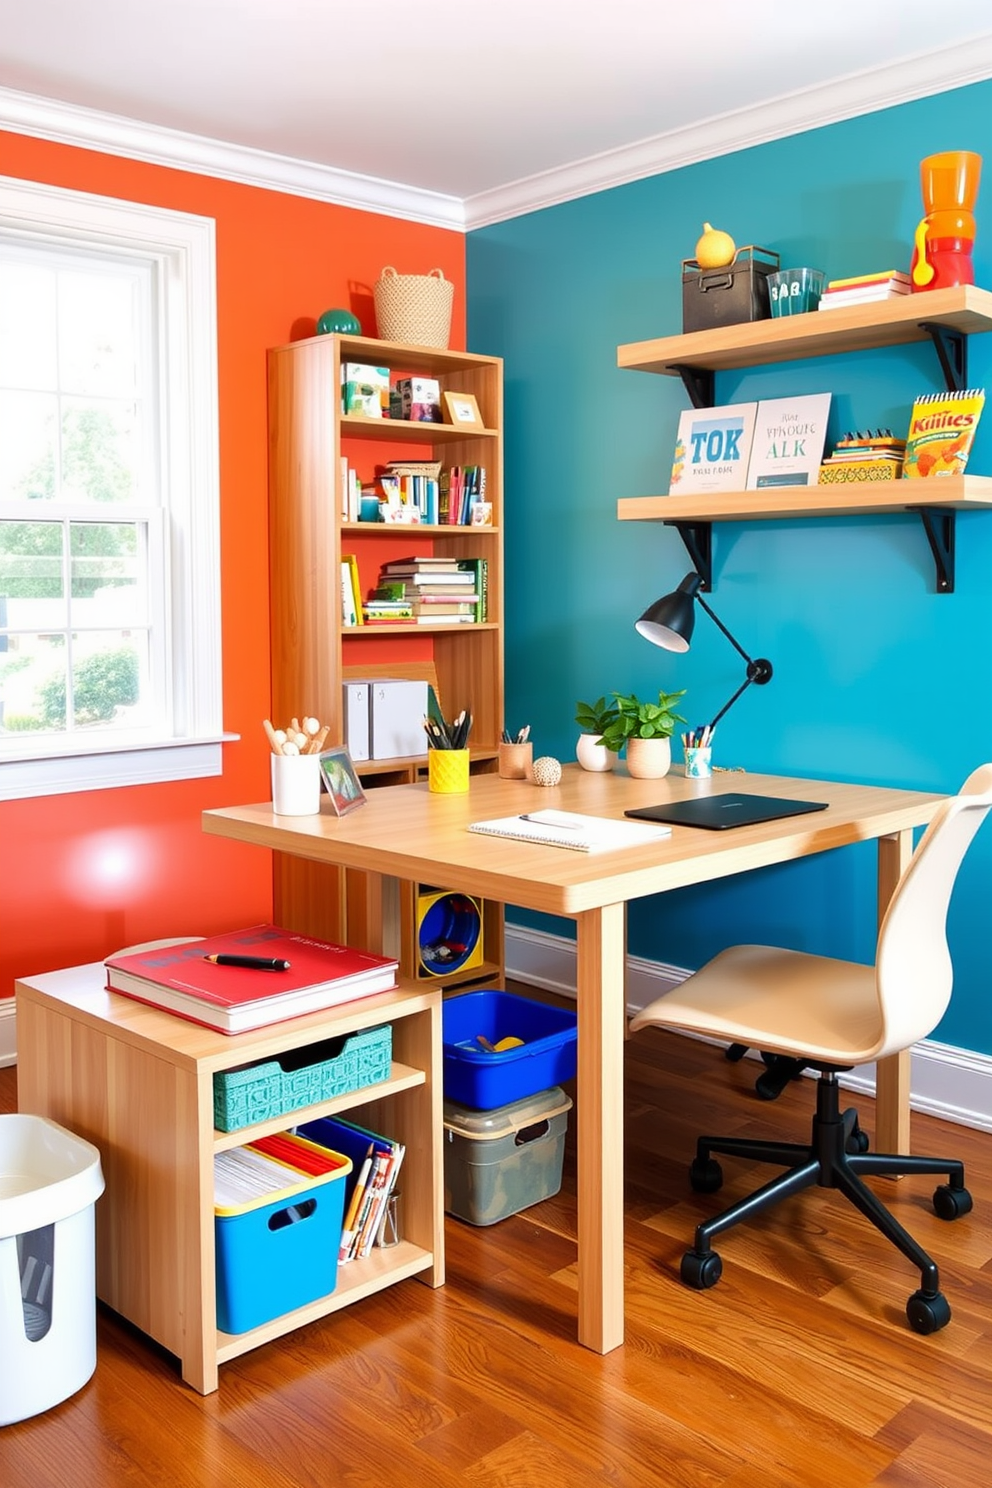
x=181, y=249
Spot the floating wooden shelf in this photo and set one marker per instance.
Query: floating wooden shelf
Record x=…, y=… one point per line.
x=944, y=316
x=966, y=310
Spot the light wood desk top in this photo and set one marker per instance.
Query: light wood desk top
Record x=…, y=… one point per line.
x=407, y=833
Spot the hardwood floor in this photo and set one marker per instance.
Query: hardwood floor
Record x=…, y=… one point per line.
x=799, y=1368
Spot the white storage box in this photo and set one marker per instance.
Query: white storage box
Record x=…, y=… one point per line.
x=50, y=1181
x=397, y=718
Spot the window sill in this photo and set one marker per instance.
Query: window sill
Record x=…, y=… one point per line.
x=182, y=759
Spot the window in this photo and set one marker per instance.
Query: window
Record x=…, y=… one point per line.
x=109, y=500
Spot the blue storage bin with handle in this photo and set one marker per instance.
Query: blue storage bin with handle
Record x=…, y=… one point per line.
x=531, y=1046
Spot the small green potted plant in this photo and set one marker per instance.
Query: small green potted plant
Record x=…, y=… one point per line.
x=645, y=730
x=594, y=719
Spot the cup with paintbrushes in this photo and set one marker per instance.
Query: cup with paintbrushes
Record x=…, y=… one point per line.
x=448, y=754
x=295, y=766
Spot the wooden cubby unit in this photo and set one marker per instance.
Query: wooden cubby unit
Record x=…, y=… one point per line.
x=313, y=653
x=137, y=1082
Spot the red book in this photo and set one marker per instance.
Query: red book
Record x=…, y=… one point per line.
x=233, y=999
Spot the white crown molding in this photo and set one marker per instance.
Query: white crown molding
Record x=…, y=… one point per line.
x=860, y=93
x=46, y=118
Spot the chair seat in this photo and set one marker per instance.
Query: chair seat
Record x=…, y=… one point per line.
x=785, y=1002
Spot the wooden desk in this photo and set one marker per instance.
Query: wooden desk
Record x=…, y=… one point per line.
x=408, y=833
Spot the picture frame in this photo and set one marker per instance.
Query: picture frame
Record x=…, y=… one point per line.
x=462, y=410
x=341, y=781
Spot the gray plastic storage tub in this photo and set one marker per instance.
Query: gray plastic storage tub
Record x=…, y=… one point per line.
x=501, y=1161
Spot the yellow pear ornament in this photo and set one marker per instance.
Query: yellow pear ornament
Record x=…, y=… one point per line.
x=715, y=249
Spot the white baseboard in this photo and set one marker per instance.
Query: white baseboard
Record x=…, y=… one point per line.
x=951, y=1083
x=8, y=1033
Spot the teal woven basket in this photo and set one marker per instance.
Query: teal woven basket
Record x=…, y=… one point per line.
x=257, y=1092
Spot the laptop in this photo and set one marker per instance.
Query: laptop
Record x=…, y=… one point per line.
x=717, y=813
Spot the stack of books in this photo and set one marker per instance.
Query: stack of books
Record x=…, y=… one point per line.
x=889, y=284
x=438, y=591
x=870, y=456
x=248, y=978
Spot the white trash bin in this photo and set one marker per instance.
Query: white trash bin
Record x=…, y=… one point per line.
x=50, y=1181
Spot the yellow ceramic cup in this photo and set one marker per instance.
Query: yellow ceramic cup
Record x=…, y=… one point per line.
x=447, y=771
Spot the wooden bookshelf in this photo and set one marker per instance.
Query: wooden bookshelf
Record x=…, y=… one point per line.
x=313, y=652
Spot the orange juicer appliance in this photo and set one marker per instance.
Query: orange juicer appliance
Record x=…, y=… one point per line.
x=945, y=236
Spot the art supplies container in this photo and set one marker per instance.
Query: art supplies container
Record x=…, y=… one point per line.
x=50, y=1181
x=279, y=1207
x=301, y=1077
x=499, y=1162
x=482, y=1080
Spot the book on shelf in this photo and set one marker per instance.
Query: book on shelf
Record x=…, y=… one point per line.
x=231, y=998
x=712, y=448
x=478, y=568
x=349, y=612
x=787, y=448
x=407, y=567
x=879, y=276
x=375, y=1165
x=941, y=432
x=351, y=591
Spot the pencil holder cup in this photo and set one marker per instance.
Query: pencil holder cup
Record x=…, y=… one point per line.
x=447, y=771
x=296, y=784
x=698, y=764
x=515, y=761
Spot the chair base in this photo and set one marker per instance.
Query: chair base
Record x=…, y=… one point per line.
x=835, y=1157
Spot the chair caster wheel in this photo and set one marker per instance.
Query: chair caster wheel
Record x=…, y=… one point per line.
x=857, y=1141
x=701, y=1269
x=928, y=1314
x=735, y=1052
x=951, y=1203
x=705, y=1177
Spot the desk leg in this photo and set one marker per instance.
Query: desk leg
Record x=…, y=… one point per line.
x=892, y=1074
x=600, y=945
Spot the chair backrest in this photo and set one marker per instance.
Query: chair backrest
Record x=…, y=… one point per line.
x=913, y=969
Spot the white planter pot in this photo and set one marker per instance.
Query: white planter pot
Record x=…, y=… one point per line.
x=649, y=759
x=593, y=756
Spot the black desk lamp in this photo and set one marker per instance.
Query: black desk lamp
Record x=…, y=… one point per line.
x=669, y=623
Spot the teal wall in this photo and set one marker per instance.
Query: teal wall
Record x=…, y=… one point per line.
x=877, y=677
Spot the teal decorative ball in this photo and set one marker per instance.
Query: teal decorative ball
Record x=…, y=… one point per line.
x=339, y=320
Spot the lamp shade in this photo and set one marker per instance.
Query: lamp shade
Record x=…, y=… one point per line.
x=669, y=621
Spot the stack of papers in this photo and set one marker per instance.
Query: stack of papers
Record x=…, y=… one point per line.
x=569, y=829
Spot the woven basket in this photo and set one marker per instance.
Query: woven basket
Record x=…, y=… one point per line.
x=415, y=308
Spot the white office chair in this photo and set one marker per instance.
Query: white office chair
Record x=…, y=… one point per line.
x=835, y=1015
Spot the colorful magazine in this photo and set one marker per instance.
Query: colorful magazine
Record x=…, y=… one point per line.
x=712, y=449
x=789, y=435
x=941, y=431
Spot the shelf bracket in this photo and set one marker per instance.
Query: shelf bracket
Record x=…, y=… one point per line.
x=951, y=347
x=699, y=383
x=938, y=525
x=698, y=539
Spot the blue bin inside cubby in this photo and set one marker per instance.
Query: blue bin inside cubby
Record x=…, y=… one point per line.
x=476, y=1078
x=274, y=1257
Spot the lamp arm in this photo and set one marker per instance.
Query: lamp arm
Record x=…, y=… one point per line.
x=759, y=671
x=720, y=626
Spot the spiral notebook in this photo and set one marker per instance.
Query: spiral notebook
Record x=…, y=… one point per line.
x=569, y=829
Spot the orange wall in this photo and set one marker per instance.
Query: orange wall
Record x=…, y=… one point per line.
x=85, y=874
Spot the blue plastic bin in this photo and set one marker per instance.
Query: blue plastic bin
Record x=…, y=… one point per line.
x=475, y=1078
x=273, y=1257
